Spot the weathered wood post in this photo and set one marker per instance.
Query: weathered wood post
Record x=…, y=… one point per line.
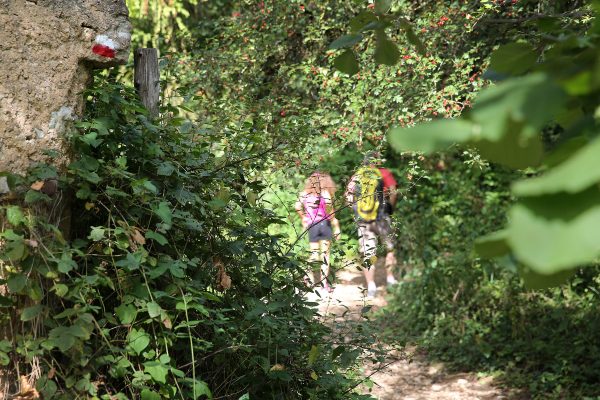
x=146, y=78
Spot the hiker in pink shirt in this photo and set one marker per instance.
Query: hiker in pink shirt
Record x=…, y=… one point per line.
x=315, y=208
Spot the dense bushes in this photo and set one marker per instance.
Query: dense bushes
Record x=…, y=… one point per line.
x=475, y=314
x=168, y=286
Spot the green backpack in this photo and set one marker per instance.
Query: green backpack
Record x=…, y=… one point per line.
x=368, y=194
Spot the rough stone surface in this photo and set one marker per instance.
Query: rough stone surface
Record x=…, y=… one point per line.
x=47, y=50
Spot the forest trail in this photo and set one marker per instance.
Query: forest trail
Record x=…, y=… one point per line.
x=412, y=377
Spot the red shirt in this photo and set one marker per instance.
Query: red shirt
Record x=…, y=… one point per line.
x=388, y=178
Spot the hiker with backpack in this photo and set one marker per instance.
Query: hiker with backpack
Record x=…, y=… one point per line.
x=315, y=208
x=372, y=194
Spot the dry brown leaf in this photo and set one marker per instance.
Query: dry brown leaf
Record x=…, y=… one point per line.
x=37, y=185
x=51, y=373
x=167, y=323
x=223, y=280
x=137, y=237
x=31, y=243
x=277, y=367
x=27, y=391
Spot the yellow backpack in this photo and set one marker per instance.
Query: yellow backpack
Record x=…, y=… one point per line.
x=368, y=193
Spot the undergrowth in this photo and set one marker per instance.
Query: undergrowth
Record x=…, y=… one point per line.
x=473, y=314
x=165, y=283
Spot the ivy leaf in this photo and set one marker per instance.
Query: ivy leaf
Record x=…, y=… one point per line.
x=60, y=289
x=32, y=312
x=16, y=283
x=160, y=239
x=157, y=371
x=66, y=263
x=126, y=313
x=15, y=215
x=431, y=136
x=64, y=337
x=503, y=123
x=164, y=212
x=165, y=169
x=138, y=340
x=97, y=233
x=346, y=62
x=131, y=261
x=346, y=41
x=154, y=309
x=148, y=394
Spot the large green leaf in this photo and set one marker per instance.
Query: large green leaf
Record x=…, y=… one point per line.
x=157, y=371
x=530, y=101
x=361, y=20
x=346, y=62
x=548, y=239
x=148, y=394
x=431, y=136
x=346, y=41
x=513, y=58
x=534, y=280
x=138, y=340
x=32, y=312
x=163, y=211
x=126, y=313
x=492, y=245
x=386, y=52
x=15, y=215
x=577, y=173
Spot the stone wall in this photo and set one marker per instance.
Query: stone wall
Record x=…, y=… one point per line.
x=47, y=50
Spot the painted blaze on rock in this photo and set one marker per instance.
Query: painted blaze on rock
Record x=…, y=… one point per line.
x=47, y=51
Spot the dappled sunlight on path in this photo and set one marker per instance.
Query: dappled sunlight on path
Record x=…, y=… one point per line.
x=409, y=376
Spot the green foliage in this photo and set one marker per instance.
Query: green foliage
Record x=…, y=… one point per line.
x=472, y=313
x=169, y=285
x=506, y=124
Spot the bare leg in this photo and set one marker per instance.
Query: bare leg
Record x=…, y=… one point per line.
x=312, y=260
x=370, y=275
x=368, y=247
x=390, y=263
x=325, y=246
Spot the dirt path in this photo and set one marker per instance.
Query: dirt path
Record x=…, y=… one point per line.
x=403, y=380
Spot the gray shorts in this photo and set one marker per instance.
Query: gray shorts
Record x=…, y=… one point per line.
x=319, y=231
x=369, y=232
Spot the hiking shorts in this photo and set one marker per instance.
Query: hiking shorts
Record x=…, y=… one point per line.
x=369, y=232
x=319, y=231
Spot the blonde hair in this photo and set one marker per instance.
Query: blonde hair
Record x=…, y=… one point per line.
x=319, y=181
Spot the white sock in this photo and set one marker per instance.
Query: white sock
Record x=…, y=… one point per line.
x=371, y=286
x=391, y=280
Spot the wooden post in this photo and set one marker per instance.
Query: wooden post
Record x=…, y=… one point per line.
x=146, y=78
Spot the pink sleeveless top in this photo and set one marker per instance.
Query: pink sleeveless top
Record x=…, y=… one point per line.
x=315, y=208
